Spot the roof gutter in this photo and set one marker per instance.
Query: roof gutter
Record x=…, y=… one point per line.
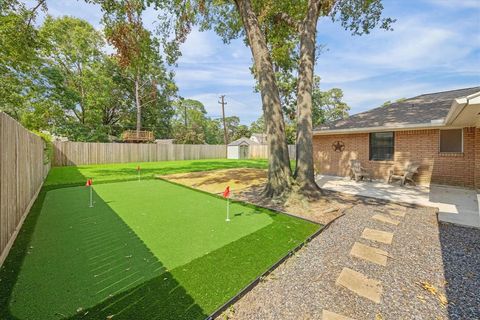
x=458, y=106
x=399, y=127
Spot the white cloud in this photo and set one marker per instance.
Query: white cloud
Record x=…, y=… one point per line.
x=459, y=4
x=208, y=75
x=414, y=44
x=197, y=47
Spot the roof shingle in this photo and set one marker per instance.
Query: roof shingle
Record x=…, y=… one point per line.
x=425, y=108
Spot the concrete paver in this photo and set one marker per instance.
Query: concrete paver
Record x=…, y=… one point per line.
x=360, y=284
x=368, y=253
x=385, y=219
x=329, y=315
x=377, y=235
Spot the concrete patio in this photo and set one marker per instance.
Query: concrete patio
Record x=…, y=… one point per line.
x=455, y=205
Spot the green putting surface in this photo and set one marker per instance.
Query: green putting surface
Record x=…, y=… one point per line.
x=147, y=250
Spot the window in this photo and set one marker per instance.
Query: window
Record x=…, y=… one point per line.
x=381, y=145
x=451, y=140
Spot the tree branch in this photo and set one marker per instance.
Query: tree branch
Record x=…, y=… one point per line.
x=289, y=20
x=32, y=12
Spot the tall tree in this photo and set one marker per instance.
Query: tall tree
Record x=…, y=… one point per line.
x=137, y=51
x=69, y=92
x=19, y=60
x=279, y=171
x=357, y=16
x=232, y=19
x=292, y=37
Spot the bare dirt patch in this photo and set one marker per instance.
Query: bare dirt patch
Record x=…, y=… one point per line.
x=247, y=184
x=217, y=180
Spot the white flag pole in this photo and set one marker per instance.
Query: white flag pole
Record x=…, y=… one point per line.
x=91, y=197
x=228, y=209
x=138, y=175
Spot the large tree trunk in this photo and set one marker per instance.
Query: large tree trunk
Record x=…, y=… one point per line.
x=279, y=171
x=304, y=171
x=138, y=104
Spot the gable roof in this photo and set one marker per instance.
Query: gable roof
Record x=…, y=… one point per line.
x=242, y=141
x=431, y=108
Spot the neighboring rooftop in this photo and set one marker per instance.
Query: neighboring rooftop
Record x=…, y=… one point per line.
x=261, y=138
x=426, y=108
x=243, y=141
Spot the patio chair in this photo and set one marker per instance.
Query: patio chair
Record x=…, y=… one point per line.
x=410, y=170
x=358, y=172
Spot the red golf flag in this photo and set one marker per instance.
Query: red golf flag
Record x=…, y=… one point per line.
x=226, y=193
x=89, y=183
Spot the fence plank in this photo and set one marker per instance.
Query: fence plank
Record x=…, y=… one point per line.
x=261, y=151
x=22, y=171
x=80, y=153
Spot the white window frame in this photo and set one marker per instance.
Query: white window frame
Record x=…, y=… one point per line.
x=440, y=141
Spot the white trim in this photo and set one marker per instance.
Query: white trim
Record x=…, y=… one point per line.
x=440, y=144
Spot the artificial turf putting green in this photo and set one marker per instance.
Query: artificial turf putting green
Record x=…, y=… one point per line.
x=147, y=250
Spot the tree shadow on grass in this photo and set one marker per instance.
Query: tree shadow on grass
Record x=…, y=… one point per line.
x=158, y=298
x=75, y=262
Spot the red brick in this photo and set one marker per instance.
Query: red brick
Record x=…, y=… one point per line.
x=420, y=146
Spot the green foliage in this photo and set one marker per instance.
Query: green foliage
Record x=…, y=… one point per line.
x=57, y=77
x=241, y=131
x=328, y=105
x=191, y=125
x=258, y=126
x=48, y=149
x=18, y=57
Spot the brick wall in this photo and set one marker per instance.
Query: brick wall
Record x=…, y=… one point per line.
x=477, y=158
x=421, y=146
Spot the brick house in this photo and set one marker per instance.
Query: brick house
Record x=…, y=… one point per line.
x=440, y=131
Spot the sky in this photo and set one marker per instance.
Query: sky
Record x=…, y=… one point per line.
x=435, y=46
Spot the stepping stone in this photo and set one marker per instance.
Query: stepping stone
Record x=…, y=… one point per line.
x=368, y=253
x=360, y=284
x=329, y=315
x=385, y=219
x=398, y=213
x=377, y=235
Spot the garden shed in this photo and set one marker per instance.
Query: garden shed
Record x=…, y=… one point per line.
x=239, y=149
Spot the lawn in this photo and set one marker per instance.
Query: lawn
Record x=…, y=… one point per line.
x=127, y=171
x=148, y=249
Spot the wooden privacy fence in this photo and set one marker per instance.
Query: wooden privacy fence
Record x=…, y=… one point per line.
x=261, y=151
x=22, y=171
x=79, y=153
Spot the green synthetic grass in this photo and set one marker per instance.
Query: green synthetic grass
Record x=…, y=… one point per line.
x=127, y=171
x=147, y=250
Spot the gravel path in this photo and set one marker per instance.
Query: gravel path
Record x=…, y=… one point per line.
x=428, y=265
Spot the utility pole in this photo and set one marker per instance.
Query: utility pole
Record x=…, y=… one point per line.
x=223, y=103
x=185, y=111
